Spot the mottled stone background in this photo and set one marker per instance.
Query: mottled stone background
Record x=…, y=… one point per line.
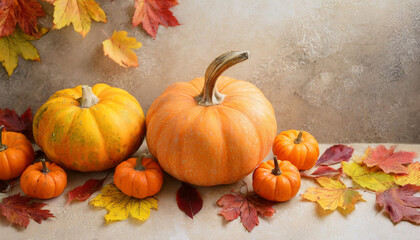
x=345, y=70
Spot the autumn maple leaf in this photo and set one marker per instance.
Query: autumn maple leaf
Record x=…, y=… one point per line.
x=247, y=206
x=413, y=176
x=121, y=206
x=19, y=209
x=20, y=12
x=118, y=48
x=400, y=203
x=189, y=200
x=152, y=13
x=388, y=160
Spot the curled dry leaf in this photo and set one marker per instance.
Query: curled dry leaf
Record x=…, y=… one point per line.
x=152, y=13
x=121, y=206
x=369, y=178
x=19, y=209
x=333, y=194
x=323, y=171
x=400, y=203
x=388, y=160
x=189, y=200
x=247, y=206
x=118, y=48
x=335, y=154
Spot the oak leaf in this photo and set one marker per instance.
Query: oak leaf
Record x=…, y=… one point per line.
x=400, y=203
x=80, y=13
x=335, y=154
x=189, y=200
x=388, y=160
x=413, y=176
x=369, y=178
x=247, y=206
x=12, y=122
x=118, y=48
x=121, y=206
x=16, y=44
x=83, y=192
x=323, y=171
x=20, y=12
x=152, y=13
x=19, y=209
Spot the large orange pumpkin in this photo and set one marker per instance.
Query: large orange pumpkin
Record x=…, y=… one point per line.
x=16, y=153
x=207, y=135
x=89, y=129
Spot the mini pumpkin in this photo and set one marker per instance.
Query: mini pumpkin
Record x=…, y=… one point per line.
x=208, y=135
x=139, y=177
x=16, y=153
x=276, y=180
x=43, y=180
x=298, y=147
x=89, y=129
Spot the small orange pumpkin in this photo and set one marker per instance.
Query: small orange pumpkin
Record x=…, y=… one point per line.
x=276, y=180
x=298, y=147
x=43, y=180
x=16, y=153
x=139, y=177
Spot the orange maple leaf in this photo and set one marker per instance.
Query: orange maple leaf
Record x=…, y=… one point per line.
x=21, y=12
x=388, y=160
x=152, y=13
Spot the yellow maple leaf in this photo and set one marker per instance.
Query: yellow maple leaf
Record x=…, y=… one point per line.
x=333, y=194
x=120, y=206
x=16, y=44
x=413, y=176
x=79, y=13
x=370, y=178
x=118, y=48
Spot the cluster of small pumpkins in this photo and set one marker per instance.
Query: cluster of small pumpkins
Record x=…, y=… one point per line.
x=199, y=133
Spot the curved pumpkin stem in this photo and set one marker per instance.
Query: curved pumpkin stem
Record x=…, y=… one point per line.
x=2, y=146
x=88, y=98
x=139, y=162
x=299, y=138
x=209, y=96
x=44, y=166
x=276, y=171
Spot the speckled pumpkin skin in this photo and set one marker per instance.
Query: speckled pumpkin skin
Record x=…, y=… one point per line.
x=89, y=139
x=212, y=145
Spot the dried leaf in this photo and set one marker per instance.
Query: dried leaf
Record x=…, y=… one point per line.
x=80, y=13
x=335, y=154
x=120, y=206
x=368, y=178
x=19, y=209
x=413, y=176
x=151, y=14
x=20, y=12
x=12, y=122
x=323, y=171
x=400, y=203
x=333, y=194
x=388, y=160
x=189, y=200
x=7, y=186
x=118, y=48
x=247, y=206
x=82, y=193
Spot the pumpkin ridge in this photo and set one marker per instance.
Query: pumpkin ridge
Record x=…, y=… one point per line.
x=101, y=135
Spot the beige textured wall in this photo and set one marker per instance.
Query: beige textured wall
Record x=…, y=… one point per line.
x=345, y=70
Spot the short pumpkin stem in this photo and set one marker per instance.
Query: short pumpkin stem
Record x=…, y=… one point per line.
x=276, y=171
x=209, y=96
x=44, y=166
x=299, y=138
x=2, y=146
x=88, y=98
x=139, y=162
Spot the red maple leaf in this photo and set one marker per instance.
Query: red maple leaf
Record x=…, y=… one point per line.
x=388, y=160
x=14, y=123
x=83, y=192
x=248, y=206
x=152, y=13
x=400, y=203
x=21, y=12
x=19, y=209
x=189, y=200
x=335, y=154
x=323, y=171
